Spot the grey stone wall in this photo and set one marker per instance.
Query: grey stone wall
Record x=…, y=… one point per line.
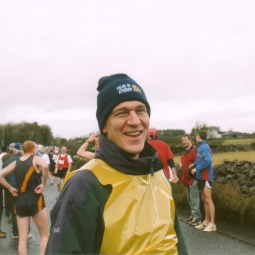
x=241, y=172
x=178, y=150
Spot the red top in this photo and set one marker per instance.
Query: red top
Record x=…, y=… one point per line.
x=164, y=154
x=63, y=161
x=188, y=157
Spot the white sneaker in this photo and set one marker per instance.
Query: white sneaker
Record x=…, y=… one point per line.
x=202, y=225
x=17, y=237
x=211, y=227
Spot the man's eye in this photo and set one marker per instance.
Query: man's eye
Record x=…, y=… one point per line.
x=121, y=114
x=140, y=111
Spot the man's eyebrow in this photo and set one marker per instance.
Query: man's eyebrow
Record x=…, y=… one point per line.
x=126, y=108
x=119, y=109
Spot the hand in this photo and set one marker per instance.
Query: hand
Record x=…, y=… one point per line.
x=92, y=137
x=175, y=179
x=191, y=166
x=39, y=189
x=193, y=171
x=14, y=191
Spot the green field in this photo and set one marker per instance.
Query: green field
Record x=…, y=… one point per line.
x=219, y=157
x=239, y=141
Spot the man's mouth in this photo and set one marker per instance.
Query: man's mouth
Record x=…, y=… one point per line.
x=133, y=134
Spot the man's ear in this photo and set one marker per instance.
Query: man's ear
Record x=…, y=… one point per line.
x=104, y=131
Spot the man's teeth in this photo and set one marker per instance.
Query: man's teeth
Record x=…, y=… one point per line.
x=133, y=133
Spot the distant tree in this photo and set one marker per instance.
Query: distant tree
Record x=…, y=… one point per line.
x=59, y=141
x=212, y=131
x=198, y=126
x=21, y=132
x=45, y=134
x=171, y=132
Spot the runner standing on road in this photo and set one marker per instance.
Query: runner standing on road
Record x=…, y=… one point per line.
x=28, y=193
x=120, y=202
x=204, y=175
x=63, y=166
x=188, y=157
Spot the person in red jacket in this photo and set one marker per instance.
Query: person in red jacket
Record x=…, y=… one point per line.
x=63, y=166
x=188, y=157
x=165, y=155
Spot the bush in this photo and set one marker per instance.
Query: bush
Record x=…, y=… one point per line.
x=179, y=195
x=215, y=142
x=230, y=205
x=77, y=163
x=248, y=211
x=228, y=201
x=253, y=146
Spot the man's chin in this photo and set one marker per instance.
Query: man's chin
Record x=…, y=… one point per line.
x=134, y=152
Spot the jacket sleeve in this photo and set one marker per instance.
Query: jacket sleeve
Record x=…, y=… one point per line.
x=77, y=223
x=181, y=245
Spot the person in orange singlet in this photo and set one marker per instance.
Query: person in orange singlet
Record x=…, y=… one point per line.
x=28, y=193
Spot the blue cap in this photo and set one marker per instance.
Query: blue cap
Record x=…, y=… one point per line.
x=18, y=146
x=113, y=90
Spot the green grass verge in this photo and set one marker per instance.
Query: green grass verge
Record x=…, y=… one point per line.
x=230, y=205
x=238, y=141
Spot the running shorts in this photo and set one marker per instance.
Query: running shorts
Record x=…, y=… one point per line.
x=28, y=204
x=61, y=172
x=201, y=184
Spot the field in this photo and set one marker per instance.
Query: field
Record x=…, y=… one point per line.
x=239, y=141
x=219, y=157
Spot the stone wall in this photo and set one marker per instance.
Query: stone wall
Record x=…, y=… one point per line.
x=178, y=150
x=243, y=172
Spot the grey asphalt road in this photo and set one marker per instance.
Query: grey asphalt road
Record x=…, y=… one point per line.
x=215, y=243
x=228, y=240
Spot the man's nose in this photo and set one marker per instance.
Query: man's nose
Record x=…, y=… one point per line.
x=133, y=119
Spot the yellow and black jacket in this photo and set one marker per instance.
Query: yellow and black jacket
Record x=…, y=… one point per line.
x=116, y=205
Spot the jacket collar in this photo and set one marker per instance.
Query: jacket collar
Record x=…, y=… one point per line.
x=117, y=158
x=202, y=142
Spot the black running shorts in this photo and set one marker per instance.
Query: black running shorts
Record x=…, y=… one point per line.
x=61, y=172
x=201, y=184
x=29, y=203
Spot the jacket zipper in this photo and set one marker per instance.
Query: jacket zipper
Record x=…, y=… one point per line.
x=152, y=168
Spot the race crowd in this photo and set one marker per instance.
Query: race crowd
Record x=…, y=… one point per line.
x=121, y=201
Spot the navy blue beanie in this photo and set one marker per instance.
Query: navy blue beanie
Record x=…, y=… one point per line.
x=113, y=90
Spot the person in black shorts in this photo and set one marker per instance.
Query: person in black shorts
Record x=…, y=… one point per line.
x=204, y=175
x=28, y=192
x=63, y=166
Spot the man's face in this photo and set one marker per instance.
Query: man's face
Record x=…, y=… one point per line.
x=130, y=132
x=63, y=150
x=198, y=139
x=186, y=142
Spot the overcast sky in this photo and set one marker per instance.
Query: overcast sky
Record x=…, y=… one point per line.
x=194, y=59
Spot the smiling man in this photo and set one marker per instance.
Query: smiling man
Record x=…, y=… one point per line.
x=119, y=202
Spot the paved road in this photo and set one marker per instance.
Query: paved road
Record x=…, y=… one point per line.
x=201, y=243
x=225, y=241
